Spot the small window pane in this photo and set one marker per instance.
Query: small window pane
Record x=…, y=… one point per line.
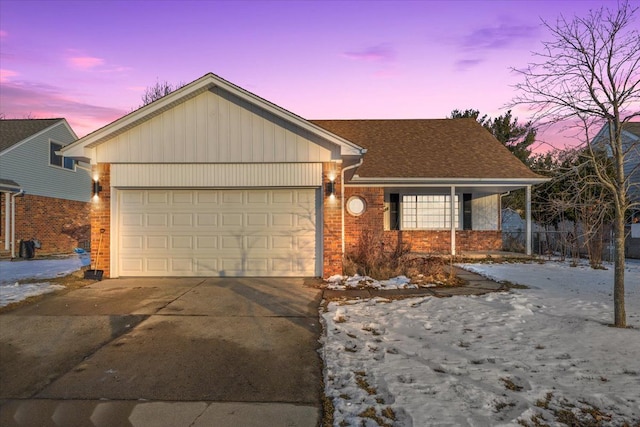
x=428, y=211
x=69, y=163
x=54, y=159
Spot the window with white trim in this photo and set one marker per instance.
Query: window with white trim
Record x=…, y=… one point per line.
x=428, y=211
x=60, y=161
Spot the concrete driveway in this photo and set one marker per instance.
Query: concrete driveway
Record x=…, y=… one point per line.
x=155, y=352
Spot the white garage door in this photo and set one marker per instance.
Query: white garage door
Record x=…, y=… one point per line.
x=217, y=232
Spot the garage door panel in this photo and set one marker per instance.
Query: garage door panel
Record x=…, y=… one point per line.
x=158, y=265
x=157, y=220
x=157, y=242
x=206, y=266
x=207, y=219
x=181, y=242
x=206, y=242
x=133, y=242
x=182, y=219
x=181, y=265
x=157, y=197
x=232, y=219
x=232, y=197
x=217, y=232
x=182, y=197
x=133, y=266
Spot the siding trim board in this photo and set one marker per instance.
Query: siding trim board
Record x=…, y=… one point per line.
x=217, y=175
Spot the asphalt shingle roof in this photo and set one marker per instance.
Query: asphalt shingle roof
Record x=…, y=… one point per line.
x=13, y=131
x=428, y=148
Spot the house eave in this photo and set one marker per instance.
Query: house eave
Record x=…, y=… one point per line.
x=358, y=181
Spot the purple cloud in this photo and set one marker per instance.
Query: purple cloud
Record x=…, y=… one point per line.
x=465, y=64
x=85, y=62
x=38, y=100
x=372, y=54
x=503, y=35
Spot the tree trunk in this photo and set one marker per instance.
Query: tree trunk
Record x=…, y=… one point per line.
x=620, y=317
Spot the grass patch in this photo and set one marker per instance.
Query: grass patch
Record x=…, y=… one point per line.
x=362, y=382
x=510, y=385
x=371, y=413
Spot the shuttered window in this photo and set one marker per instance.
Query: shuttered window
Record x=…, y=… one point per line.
x=428, y=211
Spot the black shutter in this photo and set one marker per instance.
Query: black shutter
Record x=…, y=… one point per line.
x=466, y=211
x=394, y=214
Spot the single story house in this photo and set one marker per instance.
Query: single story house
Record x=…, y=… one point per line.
x=43, y=196
x=212, y=180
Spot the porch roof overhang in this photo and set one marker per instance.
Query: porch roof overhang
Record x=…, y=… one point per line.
x=483, y=185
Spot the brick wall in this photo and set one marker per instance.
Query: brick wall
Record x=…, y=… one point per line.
x=332, y=223
x=60, y=225
x=429, y=241
x=101, y=219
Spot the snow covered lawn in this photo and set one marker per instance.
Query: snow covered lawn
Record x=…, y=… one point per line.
x=12, y=273
x=541, y=355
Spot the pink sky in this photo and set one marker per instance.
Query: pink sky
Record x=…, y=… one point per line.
x=90, y=61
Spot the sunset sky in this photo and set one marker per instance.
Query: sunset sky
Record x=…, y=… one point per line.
x=90, y=61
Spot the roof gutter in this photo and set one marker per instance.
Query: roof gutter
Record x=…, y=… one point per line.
x=342, y=201
x=447, y=181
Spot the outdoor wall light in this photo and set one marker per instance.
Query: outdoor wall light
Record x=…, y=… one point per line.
x=97, y=188
x=331, y=188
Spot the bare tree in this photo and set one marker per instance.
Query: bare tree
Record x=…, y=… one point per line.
x=588, y=76
x=157, y=91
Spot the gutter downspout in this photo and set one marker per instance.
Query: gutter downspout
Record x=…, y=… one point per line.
x=342, y=201
x=13, y=222
x=7, y=221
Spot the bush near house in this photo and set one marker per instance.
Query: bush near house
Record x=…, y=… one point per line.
x=372, y=257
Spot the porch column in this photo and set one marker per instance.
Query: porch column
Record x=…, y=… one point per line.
x=528, y=216
x=453, y=220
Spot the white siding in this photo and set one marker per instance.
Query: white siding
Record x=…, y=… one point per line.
x=484, y=211
x=217, y=175
x=28, y=165
x=215, y=127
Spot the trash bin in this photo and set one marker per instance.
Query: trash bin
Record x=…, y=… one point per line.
x=27, y=249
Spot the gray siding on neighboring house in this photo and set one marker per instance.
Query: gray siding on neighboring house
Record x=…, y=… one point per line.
x=27, y=163
x=632, y=167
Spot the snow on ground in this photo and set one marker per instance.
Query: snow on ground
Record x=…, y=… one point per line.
x=14, y=272
x=338, y=282
x=541, y=354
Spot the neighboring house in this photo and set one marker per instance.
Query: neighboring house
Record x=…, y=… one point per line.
x=631, y=147
x=47, y=193
x=212, y=180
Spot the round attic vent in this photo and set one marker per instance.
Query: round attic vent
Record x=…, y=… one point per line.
x=356, y=205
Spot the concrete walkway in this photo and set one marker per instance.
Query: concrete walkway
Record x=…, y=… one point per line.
x=164, y=352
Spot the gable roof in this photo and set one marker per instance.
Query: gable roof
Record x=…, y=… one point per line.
x=191, y=90
x=430, y=149
x=12, y=131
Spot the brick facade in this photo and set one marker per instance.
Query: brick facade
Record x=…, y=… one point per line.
x=332, y=222
x=101, y=219
x=428, y=241
x=60, y=225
